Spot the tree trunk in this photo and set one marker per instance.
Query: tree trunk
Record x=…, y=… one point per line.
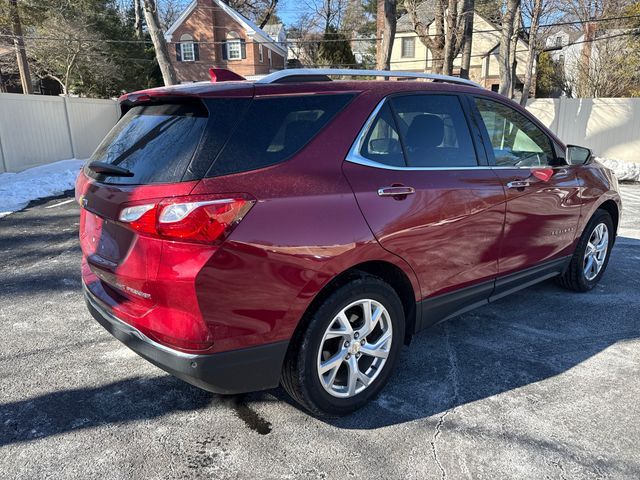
x=469, y=8
x=531, y=54
x=387, y=32
x=137, y=9
x=451, y=19
x=504, y=54
x=21, y=53
x=159, y=44
x=513, y=45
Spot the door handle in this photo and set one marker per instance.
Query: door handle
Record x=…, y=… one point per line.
x=518, y=184
x=395, y=191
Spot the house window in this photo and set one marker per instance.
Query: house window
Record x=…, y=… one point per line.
x=270, y=59
x=187, y=48
x=408, y=47
x=260, y=53
x=234, y=46
x=558, y=41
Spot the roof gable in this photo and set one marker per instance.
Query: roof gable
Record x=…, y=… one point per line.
x=249, y=27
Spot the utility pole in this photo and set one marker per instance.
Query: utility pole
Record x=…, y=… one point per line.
x=21, y=53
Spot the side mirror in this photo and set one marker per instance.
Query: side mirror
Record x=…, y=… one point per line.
x=576, y=155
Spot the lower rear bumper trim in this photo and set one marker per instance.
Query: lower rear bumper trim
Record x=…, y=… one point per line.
x=238, y=371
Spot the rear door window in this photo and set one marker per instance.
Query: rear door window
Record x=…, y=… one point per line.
x=274, y=129
x=155, y=142
x=435, y=131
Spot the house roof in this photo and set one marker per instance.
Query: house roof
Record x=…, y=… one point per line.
x=249, y=27
x=426, y=14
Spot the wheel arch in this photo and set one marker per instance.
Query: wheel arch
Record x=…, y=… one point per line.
x=611, y=207
x=384, y=270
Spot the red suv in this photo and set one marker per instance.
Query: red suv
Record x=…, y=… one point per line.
x=298, y=231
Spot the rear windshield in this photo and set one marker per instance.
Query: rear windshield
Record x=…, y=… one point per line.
x=187, y=141
x=155, y=142
x=275, y=128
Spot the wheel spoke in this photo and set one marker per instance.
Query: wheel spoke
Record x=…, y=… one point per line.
x=334, y=362
x=374, y=352
x=371, y=319
x=345, y=329
x=353, y=373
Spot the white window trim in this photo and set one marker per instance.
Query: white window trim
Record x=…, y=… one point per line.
x=192, y=52
x=235, y=41
x=260, y=53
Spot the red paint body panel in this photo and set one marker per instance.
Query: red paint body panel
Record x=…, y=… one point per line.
x=315, y=217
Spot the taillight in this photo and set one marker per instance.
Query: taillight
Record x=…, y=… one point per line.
x=196, y=218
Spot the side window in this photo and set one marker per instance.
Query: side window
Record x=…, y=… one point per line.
x=434, y=131
x=516, y=141
x=382, y=143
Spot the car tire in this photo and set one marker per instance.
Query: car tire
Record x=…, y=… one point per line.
x=324, y=342
x=577, y=277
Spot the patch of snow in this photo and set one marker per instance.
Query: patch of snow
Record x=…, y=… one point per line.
x=624, y=171
x=18, y=189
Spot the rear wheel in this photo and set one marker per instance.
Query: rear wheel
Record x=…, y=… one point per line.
x=350, y=345
x=592, y=254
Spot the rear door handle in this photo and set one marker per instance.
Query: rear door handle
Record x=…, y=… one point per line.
x=518, y=184
x=395, y=191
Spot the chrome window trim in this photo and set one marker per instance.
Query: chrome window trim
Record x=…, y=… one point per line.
x=354, y=155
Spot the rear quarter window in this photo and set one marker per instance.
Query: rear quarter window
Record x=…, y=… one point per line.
x=274, y=129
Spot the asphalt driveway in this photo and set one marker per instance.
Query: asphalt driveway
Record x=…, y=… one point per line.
x=542, y=384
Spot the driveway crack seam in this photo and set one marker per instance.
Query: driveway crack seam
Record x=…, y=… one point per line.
x=454, y=379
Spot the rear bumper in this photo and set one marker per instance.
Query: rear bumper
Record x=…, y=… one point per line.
x=237, y=371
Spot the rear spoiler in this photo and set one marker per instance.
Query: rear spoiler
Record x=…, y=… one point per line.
x=224, y=75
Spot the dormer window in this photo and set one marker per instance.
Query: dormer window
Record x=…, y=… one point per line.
x=558, y=41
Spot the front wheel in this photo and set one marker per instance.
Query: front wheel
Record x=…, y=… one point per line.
x=346, y=353
x=592, y=254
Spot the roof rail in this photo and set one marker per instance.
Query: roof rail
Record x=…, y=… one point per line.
x=293, y=74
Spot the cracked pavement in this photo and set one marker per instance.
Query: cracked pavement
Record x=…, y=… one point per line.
x=542, y=384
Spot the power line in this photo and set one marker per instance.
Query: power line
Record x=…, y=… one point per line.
x=294, y=41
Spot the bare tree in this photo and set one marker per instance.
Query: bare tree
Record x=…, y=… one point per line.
x=386, y=34
x=327, y=13
x=509, y=19
x=75, y=53
x=451, y=17
x=534, y=10
x=434, y=43
x=159, y=43
x=21, y=53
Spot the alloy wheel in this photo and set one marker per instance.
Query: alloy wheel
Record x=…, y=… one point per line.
x=354, y=348
x=596, y=251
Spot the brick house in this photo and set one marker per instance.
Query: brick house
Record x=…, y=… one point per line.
x=209, y=33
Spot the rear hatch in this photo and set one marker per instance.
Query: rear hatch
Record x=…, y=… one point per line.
x=146, y=230
x=156, y=154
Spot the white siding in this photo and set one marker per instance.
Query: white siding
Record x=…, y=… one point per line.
x=608, y=126
x=38, y=129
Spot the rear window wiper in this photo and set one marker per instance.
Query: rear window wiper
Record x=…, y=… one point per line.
x=109, y=169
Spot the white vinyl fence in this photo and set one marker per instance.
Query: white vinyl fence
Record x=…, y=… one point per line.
x=608, y=126
x=39, y=129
